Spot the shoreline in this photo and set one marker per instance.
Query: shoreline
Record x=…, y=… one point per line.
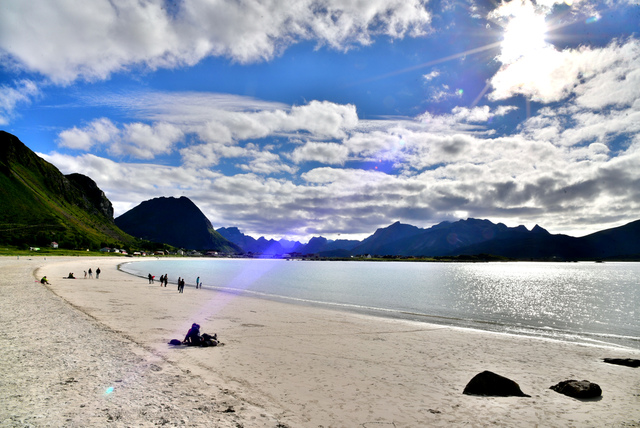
x=285, y=364
x=489, y=326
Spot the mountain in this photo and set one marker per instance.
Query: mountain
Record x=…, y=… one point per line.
x=448, y=238
x=174, y=221
x=385, y=240
x=329, y=248
x=41, y=205
x=260, y=245
x=463, y=238
x=619, y=242
x=316, y=245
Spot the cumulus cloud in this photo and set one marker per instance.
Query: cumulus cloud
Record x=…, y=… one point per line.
x=327, y=153
x=136, y=140
x=99, y=131
x=221, y=124
x=265, y=161
x=95, y=39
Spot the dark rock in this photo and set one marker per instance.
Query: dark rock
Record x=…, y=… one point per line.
x=578, y=389
x=629, y=362
x=491, y=384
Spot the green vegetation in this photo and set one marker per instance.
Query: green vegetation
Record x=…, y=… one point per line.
x=40, y=205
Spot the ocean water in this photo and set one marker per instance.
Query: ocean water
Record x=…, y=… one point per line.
x=584, y=302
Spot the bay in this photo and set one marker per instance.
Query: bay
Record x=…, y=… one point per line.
x=584, y=302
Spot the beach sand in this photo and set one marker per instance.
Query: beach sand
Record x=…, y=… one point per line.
x=94, y=352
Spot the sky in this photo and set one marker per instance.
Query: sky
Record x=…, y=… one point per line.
x=293, y=119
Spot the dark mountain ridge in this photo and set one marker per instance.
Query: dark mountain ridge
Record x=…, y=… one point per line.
x=475, y=236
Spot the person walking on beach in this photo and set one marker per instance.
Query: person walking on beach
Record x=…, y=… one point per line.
x=85, y=274
x=97, y=273
x=161, y=280
x=90, y=273
x=197, y=282
x=166, y=279
x=150, y=278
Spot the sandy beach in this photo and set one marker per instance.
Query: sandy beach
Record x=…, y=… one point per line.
x=94, y=352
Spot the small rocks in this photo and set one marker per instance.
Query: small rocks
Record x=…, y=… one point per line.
x=582, y=389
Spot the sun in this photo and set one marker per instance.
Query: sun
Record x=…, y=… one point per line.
x=524, y=35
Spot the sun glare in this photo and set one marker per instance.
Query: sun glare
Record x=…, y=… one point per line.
x=524, y=35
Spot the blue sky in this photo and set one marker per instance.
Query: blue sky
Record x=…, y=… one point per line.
x=336, y=117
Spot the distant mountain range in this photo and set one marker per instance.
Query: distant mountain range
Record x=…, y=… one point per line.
x=40, y=205
x=468, y=237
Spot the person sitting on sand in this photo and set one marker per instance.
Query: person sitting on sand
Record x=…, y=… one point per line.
x=193, y=335
x=44, y=280
x=71, y=276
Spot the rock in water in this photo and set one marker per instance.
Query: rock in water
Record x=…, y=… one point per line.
x=491, y=384
x=629, y=362
x=578, y=389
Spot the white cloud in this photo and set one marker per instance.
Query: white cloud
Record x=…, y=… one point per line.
x=482, y=114
x=22, y=92
x=145, y=142
x=431, y=76
x=70, y=39
x=99, y=131
x=327, y=153
x=221, y=124
x=264, y=161
x=137, y=140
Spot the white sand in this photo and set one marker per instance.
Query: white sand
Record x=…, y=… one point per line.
x=281, y=365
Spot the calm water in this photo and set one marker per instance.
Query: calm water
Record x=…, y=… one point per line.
x=586, y=302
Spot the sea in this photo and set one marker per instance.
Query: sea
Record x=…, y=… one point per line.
x=586, y=302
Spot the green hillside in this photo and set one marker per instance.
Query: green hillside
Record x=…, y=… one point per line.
x=40, y=205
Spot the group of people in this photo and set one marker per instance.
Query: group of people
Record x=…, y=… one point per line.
x=90, y=272
x=163, y=279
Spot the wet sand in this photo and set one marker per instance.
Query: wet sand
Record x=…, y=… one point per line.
x=94, y=352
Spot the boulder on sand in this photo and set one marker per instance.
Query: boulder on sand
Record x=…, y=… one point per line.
x=491, y=384
x=578, y=388
x=629, y=362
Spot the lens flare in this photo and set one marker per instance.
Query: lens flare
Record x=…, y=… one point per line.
x=592, y=19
